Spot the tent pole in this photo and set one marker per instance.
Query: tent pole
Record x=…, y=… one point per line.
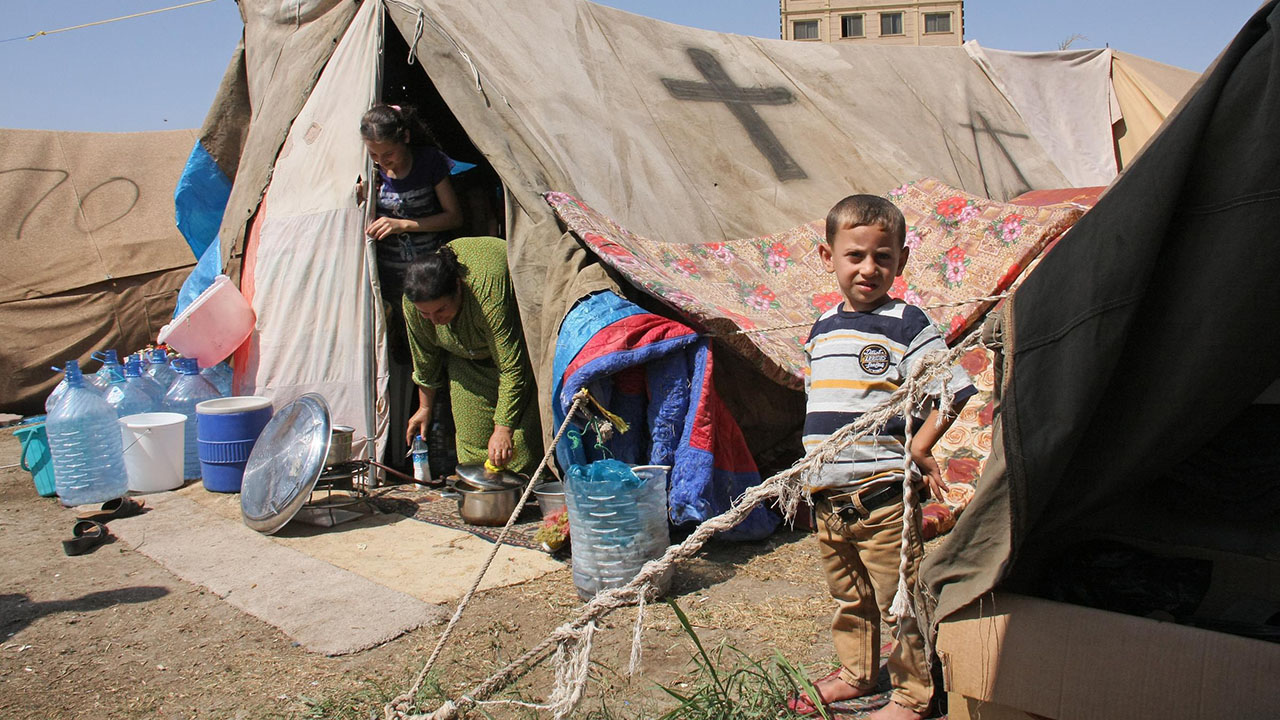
x=373, y=305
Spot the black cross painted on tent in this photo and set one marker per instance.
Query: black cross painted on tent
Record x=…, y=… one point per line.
x=741, y=101
x=980, y=125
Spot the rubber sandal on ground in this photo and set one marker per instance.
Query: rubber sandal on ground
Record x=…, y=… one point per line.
x=86, y=535
x=803, y=706
x=121, y=507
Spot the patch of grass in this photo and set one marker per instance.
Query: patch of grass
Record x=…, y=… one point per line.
x=728, y=685
x=366, y=703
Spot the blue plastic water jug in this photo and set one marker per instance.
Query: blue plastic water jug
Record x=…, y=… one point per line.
x=85, y=441
x=187, y=391
x=110, y=369
x=158, y=368
x=134, y=376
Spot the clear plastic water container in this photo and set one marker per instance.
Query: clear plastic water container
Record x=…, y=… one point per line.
x=158, y=368
x=85, y=442
x=110, y=369
x=127, y=398
x=220, y=375
x=617, y=523
x=134, y=375
x=59, y=390
x=188, y=390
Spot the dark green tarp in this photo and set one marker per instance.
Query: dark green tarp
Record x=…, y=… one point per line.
x=1150, y=327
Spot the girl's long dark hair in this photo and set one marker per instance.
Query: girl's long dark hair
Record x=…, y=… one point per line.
x=433, y=276
x=396, y=122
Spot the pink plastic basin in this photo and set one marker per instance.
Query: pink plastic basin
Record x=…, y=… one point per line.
x=212, y=326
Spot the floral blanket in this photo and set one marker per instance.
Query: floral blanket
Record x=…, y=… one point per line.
x=773, y=287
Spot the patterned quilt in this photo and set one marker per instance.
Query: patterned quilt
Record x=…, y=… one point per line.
x=761, y=295
x=774, y=287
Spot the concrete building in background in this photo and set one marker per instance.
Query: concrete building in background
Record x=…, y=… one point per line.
x=883, y=22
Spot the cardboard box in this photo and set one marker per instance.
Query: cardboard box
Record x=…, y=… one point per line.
x=1016, y=657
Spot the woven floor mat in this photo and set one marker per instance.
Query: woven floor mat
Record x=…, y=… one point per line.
x=428, y=505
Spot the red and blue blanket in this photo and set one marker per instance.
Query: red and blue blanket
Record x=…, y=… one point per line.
x=656, y=374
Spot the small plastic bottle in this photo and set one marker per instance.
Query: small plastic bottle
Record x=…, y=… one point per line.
x=110, y=370
x=127, y=398
x=134, y=375
x=159, y=368
x=187, y=391
x=421, y=461
x=86, y=446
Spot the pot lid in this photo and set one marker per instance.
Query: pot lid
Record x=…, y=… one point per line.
x=481, y=478
x=285, y=464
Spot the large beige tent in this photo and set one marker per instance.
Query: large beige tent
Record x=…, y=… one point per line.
x=92, y=258
x=679, y=134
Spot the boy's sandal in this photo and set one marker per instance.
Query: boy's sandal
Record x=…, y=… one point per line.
x=121, y=507
x=803, y=706
x=86, y=535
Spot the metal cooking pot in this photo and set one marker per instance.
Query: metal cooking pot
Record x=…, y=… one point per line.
x=491, y=506
x=340, y=437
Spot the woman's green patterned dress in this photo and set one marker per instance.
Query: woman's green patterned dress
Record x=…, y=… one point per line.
x=483, y=356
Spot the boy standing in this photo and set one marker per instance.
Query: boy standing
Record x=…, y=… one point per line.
x=858, y=353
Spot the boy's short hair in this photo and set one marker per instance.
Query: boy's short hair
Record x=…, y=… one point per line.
x=857, y=210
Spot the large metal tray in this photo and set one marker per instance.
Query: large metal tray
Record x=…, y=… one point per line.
x=285, y=464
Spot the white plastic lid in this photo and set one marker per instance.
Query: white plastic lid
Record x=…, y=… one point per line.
x=236, y=404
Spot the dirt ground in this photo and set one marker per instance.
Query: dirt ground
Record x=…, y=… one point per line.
x=112, y=634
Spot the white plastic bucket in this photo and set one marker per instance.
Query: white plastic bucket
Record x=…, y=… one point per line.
x=153, y=445
x=213, y=325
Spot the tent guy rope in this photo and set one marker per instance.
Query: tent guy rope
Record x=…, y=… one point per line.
x=573, y=639
x=578, y=399
x=104, y=22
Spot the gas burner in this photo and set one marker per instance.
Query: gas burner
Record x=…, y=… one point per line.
x=350, y=475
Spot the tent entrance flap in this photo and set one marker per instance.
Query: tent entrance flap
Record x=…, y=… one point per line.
x=311, y=282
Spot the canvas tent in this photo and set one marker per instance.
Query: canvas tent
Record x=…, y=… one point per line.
x=1134, y=344
x=92, y=257
x=680, y=134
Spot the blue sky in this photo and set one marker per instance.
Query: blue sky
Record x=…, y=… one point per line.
x=161, y=71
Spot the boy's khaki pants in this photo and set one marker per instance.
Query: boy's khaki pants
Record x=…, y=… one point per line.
x=861, y=561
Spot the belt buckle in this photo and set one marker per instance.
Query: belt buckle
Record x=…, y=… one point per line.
x=848, y=507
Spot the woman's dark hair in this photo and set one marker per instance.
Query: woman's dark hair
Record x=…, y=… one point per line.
x=396, y=122
x=434, y=276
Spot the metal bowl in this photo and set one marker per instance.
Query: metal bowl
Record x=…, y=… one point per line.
x=550, y=497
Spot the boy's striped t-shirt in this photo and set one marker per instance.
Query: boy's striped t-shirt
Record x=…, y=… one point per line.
x=854, y=362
